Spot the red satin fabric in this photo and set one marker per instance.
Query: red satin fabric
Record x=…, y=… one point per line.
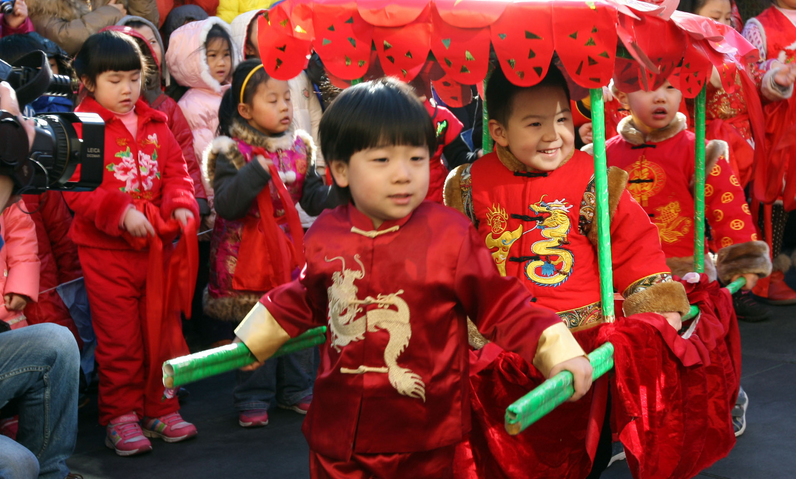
x=671, y=404
x=433, y=464
x=271, y=254
x=562, y=444
x=672, y=398
x=170, y=283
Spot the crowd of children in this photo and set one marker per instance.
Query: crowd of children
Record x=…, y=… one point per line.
x=216, y=169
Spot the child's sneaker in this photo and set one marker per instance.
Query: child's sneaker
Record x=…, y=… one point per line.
x=124, y=435
x=300, y=407
x=9, y=427
x=171, y=428
x=253, y=418
x=739, y=413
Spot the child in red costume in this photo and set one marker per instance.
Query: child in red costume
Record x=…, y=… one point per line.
x=391, y=394
x=124, y=231
x=657, y=151
x=773, y=32
x=532, y=201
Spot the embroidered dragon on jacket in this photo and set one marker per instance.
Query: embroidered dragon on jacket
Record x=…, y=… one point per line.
x=543, y=270
x=348, y=325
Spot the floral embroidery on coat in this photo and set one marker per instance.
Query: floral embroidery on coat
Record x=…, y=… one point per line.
x=135, y=174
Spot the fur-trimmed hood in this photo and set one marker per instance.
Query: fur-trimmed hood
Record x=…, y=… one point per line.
x=240, y=28
x=634, y=136
x=224, y=145
x=186, y=59
x=164, y=70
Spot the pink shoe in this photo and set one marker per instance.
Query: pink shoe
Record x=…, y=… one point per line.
x=124, y=435
x=170, y=428
x=300, y=407
x=253, y=418
x=9, y=427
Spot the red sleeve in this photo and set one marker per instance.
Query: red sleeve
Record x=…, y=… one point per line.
x=293, y=306
x=182, y=133
x=635, y=246
x=726, y=209
x=500, y=306
x=25, y=27
x=177, y=184
x=56, y=219
x=102, y=207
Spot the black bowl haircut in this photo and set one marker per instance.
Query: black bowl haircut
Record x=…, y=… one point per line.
x=500, y=92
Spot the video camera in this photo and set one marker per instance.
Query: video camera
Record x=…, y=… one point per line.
x=57, y=149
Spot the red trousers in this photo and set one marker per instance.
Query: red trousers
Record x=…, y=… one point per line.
x=433, y=464
x=116, y=286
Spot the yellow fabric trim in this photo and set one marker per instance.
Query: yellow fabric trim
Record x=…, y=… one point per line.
x=260, y=332
x=556, y=345
x=374, y=233
x=248, y=77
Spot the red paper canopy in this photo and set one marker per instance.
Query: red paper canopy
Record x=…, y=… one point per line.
x=654, y=42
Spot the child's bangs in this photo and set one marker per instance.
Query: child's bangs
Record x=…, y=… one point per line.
x=126, y=57
x=383, y=122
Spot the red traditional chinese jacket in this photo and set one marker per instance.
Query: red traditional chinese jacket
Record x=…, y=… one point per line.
x=394, y=369
x=661, y=170
x=540, y=228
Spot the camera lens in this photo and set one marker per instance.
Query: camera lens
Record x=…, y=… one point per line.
x=7, y=8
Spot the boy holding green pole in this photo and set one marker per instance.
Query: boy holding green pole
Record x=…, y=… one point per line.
x=533, y=203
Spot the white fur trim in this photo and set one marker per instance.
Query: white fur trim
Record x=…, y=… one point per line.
x=287, y=177
x=772, y=92
x=222, y=144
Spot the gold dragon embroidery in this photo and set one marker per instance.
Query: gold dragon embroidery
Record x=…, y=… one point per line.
x=348, y=325
x=499, y=238
x=555, y=228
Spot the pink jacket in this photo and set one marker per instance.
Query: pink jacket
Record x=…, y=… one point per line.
x=188, y=66
x=5, y=30
x=19, y=261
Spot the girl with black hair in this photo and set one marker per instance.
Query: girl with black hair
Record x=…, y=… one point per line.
x=124, y=231
x=257, y=170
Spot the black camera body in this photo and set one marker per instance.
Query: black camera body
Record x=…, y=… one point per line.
x=7, y=6
x=57, y=148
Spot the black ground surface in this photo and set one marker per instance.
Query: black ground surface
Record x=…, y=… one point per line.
x=279, y=451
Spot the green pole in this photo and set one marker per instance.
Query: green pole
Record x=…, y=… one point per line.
x=553, y=392
x=486, y=138
x=699, y=183
x=602, y=215
x=193, y=367
x=558, y=389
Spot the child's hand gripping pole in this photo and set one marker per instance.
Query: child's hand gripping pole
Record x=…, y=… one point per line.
x=193, y=367
x=558, y=389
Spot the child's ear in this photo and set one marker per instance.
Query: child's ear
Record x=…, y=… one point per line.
x=622, y=97
x=245, y=111
x=86, y=81
x=498, y=133
x=339, y=171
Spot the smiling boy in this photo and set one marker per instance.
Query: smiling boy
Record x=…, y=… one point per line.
x=533, y=203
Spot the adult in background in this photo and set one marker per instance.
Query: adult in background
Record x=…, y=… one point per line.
x=70, y=22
